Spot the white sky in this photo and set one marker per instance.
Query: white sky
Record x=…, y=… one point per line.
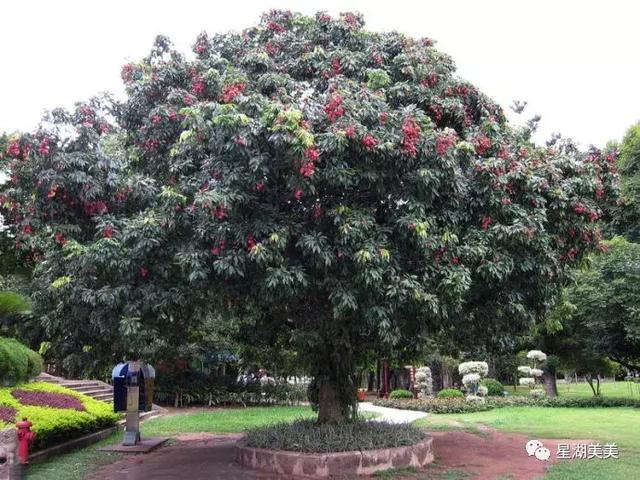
x=575, y=62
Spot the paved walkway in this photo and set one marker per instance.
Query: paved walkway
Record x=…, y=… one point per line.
x=391, y=415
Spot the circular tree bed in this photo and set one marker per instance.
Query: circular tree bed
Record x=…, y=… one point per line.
x=304, y=448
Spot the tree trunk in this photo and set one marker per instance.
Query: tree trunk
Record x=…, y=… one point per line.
x=550, y=385
x=589, y=380
x=330, y=410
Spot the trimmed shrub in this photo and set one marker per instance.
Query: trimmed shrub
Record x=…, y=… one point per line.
x=308, y=436
x=401, y=393
x=51, y=423
x=494, y=387
x=460, y=405
x=436, y=405
x=17, y=362
x=450, y=393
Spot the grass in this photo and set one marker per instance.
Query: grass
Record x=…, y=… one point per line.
x=619, y=425
x=608, y=389
x=77, y=464
x=222, y=421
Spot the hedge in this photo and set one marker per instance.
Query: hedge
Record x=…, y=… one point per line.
x=401, y=393
x=201, y=389
x=494, y=387
x=18, y=363
x=460, y=405
x=54, y=425
x=450, y=393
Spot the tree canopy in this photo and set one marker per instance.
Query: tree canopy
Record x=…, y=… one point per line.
x=342, y=189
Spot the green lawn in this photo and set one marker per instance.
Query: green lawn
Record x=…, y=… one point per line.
x=608, y=389
x=222, y=421
x=619, y=425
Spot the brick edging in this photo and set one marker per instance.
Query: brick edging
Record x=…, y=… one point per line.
x=323, y=465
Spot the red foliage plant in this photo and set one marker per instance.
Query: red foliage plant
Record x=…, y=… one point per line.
x=47, y=399
x=7, y=414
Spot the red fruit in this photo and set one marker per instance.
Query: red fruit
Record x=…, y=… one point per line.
x=144, y=272
x=275, y=27
x=317, y=211
x=369, y=142
x=108, y=231
x=486, y=221
x=455, y=260
x=411, y=132
x=52, y=192
x=251, y=242
x=336, y=66
x=445, y=142
x=350, y=131
x=482, y=144
x=231, y=91
x=43, y=149
x=307, y=169
x=27, y=229
x=312, y=154
x=298, y=194
x=579, y=208
x=14, y=149
x=60, y=238
x=259, y=186
x=334, y=108
x=198, y=86
x=127, y=72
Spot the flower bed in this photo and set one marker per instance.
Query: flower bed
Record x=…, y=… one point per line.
x=460, y=405
x=57, y=413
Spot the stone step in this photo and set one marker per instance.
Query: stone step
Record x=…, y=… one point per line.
x=97, y=391
x=105, y=397
x=82, y=386
x=85, y=387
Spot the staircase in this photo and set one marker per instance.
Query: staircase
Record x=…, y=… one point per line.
x=93, y=388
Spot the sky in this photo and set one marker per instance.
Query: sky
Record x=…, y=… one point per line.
x=572, y=61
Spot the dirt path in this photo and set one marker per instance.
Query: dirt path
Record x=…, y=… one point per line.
x=486, y=456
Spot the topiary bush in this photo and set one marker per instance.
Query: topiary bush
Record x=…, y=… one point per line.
x=18, y=363
x=401, y=393
x=494, y=387
x=450, y=393
x=311, y=437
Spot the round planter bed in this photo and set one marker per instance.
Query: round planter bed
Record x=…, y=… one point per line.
x=322, y=465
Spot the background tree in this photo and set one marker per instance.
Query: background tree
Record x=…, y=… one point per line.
x=343, y=188
x=600, y=314
x=626, y=218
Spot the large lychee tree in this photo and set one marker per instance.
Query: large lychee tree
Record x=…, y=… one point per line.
x=337, y=188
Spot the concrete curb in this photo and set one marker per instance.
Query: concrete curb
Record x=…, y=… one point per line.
x=84, y=441
x=341, y=464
